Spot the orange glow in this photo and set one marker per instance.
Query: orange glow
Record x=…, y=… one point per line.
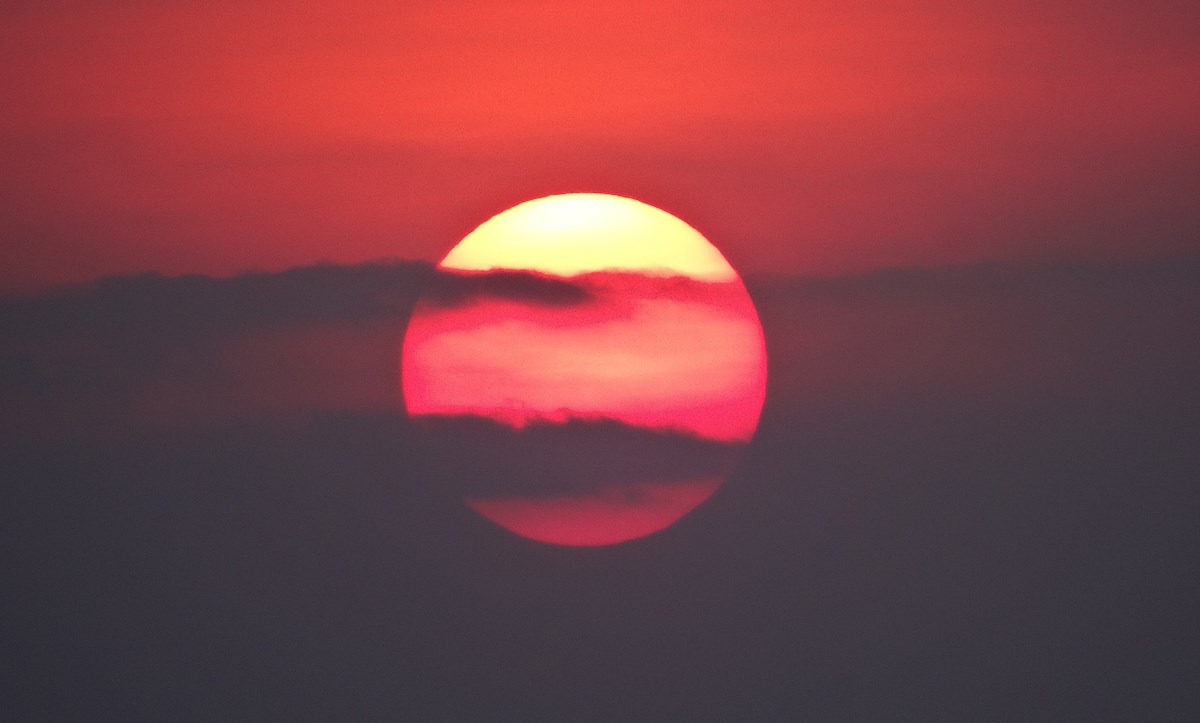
x=810, y=138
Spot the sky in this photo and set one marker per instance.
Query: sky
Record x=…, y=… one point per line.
x=969, y=231
x=214, y=137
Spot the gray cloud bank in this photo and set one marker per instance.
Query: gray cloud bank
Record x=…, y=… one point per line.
x=973, y=496
x=184, y=305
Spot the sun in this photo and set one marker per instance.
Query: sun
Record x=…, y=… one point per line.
x=577, y=233
x=598, y=417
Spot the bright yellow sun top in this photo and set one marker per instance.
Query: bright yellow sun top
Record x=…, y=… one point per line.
x=577, y=233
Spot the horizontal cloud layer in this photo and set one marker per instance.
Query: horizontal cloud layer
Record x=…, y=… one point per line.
x=480, y=458
x=973, y=493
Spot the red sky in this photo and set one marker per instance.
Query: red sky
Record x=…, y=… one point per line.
x=214, y=136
